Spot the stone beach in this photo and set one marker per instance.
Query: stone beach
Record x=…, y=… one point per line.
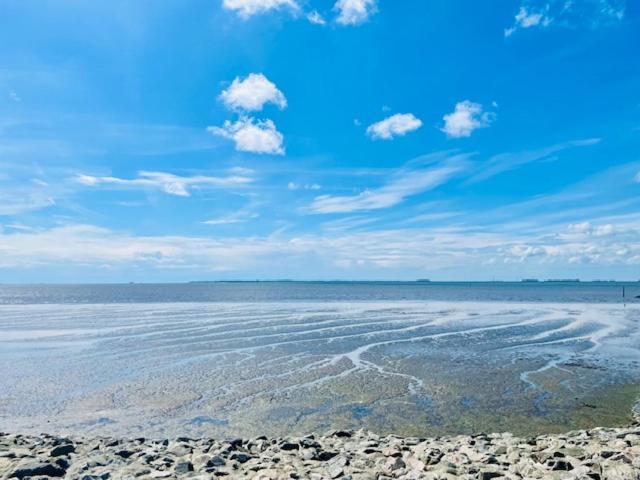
x=600, y=453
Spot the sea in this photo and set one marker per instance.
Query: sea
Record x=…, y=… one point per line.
x=239, y=359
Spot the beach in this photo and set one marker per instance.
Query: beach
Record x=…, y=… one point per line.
x=406, y=387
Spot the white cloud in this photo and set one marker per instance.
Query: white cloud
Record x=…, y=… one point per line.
x=395, y=125
x=252, y=93
x=17, y=202
x=466, y=118
x=305, y=186
x=587, y=229
x=354, y=12
x=613, y=9
x=253, y=136
x=238, y=217
x=505, y=162
x=527, y=18
x=248, y=8
x=14, y=96
x=567, y=13
x=408, y=181
x=399, y=251
x=315, y=18
x=582, y=227
x=166, y=182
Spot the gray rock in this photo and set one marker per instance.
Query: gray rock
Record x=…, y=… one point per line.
x=183, y=467
x=62, y=450
x=32, y=468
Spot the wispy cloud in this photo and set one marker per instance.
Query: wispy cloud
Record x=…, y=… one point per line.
x=252, y=93
x=396, y=125
x=250, y=135
x=566, y=13
x=442, y=251
x=527, y=17
x=248, y=8
x=240, y=216
x=414, y=178
x=15, y=201
x=303, y=186
x=509, y=161
x=354, y=12
x=166, y=182
x=315, y=18
x=467, y=117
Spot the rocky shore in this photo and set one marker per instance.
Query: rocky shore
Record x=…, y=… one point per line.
x=601, y=453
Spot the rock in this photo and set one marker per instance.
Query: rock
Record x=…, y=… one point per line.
x=216, y=461
x=289, y=446
x=596, y=454
x=240, y=457
x=394, y=463
x=326, y=455
x=414, y=464
x=560, y=465
x=488, y=475
x=32, y=468
x=183, y=467
x=125, y=453
x=335, y=467
x=62, y=450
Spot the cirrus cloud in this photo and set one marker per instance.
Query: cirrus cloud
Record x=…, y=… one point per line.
x=410, y=180
x=166, y=182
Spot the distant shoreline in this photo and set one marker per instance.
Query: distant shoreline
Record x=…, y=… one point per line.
x=527, y=282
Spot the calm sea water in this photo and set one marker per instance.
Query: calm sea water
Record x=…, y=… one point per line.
x=562, y=292
x=241, y=359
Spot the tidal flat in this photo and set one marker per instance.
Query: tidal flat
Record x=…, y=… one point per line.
x=412, y=368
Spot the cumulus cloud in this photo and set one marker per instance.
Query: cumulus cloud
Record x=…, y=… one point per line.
x=252, y=93
x=466, y=118
x=315, y=18
x=166, y=182
x=354, y=12
x=587, y=229
x=406, y=182
x=248, y=8
x=396, y=125
x=250, y=135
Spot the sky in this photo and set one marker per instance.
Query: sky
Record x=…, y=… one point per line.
x=162, y=141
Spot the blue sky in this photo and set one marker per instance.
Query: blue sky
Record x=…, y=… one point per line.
x=319, y=139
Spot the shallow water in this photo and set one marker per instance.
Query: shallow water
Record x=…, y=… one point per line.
x=280, y=367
